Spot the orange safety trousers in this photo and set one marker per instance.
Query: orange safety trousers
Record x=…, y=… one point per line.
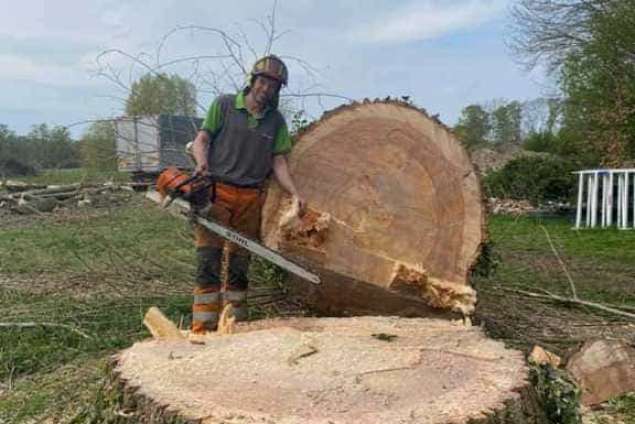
x=240, y=209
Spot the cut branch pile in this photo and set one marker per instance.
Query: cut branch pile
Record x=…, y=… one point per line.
x=27, y=199
x=524, y=207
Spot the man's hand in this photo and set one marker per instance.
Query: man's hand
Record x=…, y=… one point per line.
x=202, y=169
x=301, y=204
x=281, y=171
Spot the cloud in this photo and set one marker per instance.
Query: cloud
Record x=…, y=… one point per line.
x=429, y=19
x=22, y=68
x=48, y=50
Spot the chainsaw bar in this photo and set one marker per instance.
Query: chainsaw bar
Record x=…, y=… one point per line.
x=242, y=241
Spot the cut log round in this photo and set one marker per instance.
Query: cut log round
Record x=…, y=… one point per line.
x=332, y=370
x=395, y=219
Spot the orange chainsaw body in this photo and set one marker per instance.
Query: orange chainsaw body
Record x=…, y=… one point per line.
x=172, y=181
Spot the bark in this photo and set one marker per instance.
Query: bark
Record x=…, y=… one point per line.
x=603, y=369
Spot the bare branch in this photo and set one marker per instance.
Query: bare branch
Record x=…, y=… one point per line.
x=272, y=25
x=611, y=309
x=562, y=265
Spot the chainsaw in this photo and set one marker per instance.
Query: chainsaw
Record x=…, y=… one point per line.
x=192, y=194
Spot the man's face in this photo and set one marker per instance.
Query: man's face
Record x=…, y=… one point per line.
x=264, y=89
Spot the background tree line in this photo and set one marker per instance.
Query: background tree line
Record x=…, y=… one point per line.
x=588, y=49
x=586, y=46
x=42, y=148
x=501, y=123
x=47, y=147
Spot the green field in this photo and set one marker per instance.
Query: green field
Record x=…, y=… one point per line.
x=70, y=176
x=90, y=275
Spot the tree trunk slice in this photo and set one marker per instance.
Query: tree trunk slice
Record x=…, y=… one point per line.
x=391, y=193
x=332, y=370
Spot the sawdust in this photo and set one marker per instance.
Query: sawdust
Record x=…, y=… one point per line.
x=413, y=280
x=226, y=321
x=311, y=230
x=307, y=229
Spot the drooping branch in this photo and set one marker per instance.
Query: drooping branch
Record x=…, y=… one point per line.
x=549, y=30
x=567, y=300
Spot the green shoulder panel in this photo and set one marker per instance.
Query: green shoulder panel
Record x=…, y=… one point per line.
x=282, y=142
x=214, y=119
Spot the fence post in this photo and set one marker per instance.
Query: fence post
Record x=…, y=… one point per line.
x=578, y=214
x=609, y=201
x=594, y=199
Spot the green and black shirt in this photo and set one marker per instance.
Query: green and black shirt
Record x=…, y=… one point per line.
x=242, y=146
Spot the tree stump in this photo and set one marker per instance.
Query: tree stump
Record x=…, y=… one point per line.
x=395, y=218
x=331, y=370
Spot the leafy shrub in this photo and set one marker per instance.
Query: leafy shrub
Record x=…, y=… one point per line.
x=487, y=262
x=537, y=179
x=559, y=396
x=541, y=142
x=15, y=167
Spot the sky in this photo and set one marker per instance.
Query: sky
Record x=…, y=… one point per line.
x=69, y=62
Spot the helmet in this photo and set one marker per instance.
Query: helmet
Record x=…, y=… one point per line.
x=271, y=66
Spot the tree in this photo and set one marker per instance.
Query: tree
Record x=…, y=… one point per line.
x=549, y=31
x=42, y=148
x=153, y=94
x=540, y=115
x=473, y=126
x=98, y=147
x=506, y=123
x=10, y=162
x=600, y=83
x=589, y=45
x=50, y=148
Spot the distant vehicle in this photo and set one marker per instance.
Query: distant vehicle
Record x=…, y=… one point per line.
x=146, y=145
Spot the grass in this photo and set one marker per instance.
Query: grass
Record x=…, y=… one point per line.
x=98, y=272
x=96, y=241
x=70, y=176
x=110, y=324
x=600, y=262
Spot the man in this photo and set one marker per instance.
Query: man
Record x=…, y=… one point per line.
x=243, y=139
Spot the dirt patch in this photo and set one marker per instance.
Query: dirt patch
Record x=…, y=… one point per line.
x=614, y=280
x=524, y=322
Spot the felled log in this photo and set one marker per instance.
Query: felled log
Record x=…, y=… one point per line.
x=18, y=186
x=34, y=206
x=48, y=198
x=395, y=218
x=603, y=369
x=330, y=370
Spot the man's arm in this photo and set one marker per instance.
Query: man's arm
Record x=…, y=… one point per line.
x=281, y=172
x=211, y=125
x=199, y=151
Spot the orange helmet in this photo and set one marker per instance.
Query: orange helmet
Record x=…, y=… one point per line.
x=271, y=66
